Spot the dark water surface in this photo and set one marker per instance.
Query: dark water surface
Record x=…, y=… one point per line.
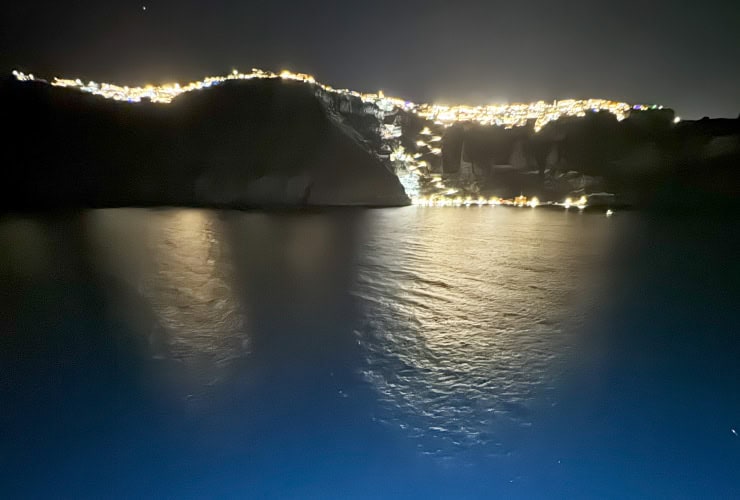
x=416, y=352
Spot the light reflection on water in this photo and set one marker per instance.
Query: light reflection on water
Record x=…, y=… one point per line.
x=180, y=265
x=463, y=322
x=456, y=317
x=407, y=353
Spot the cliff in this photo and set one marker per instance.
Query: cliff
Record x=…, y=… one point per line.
x=277, y=141
x=645, y=160
x=240, y=144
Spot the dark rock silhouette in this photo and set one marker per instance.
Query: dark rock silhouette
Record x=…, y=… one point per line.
x=240, y=144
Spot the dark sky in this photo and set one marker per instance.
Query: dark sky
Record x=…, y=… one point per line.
x=683, y=54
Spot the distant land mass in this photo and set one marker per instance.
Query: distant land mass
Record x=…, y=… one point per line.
x=286, y=140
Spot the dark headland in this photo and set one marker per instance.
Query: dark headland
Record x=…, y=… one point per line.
x=263, y=143
x=281, y=143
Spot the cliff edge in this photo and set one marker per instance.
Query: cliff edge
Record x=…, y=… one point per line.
x=241, y=144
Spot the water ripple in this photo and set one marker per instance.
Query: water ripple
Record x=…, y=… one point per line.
x=461, y=329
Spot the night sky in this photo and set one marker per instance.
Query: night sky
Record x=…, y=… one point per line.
x=683, y=54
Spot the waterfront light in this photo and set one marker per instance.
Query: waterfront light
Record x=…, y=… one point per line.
x=520, y=201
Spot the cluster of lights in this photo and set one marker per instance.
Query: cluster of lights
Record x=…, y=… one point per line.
x=580, y=203
x=408, y=167
x=507, y=115
x=22, y=77
x=519, y=201
x=517, y=115
x=445, y=201
x=168, y=92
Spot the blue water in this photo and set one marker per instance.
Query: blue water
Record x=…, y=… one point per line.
x=397, y=353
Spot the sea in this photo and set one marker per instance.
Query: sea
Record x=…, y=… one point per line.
x=416, y=352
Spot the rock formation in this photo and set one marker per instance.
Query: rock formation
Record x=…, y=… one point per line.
x=241, y=144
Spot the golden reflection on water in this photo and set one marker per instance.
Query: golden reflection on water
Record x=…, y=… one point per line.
x=190, y=290
x=177, y=263
x=463, y=329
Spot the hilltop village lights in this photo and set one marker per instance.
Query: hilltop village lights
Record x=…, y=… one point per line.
x=506, y=115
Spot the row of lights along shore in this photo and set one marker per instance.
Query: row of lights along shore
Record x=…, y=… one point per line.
x=519, y=201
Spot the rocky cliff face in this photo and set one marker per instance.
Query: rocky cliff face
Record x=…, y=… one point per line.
x=255, y=143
